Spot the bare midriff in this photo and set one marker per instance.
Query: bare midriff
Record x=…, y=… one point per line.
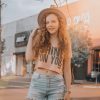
x=45, y=71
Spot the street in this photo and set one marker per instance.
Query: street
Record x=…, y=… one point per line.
x=85, y=92
x=16, y=88
x=12, y=94
x=79, y=92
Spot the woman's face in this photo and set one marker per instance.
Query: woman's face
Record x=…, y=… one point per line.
x=52, y=24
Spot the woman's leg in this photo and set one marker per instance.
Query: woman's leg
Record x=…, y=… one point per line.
x=37, y=89
x=57, y=88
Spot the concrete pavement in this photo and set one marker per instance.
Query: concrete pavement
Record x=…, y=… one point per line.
x=16, y=89
x=13, y=94
x=14, y=82
x=78, y=93
x=86, y=92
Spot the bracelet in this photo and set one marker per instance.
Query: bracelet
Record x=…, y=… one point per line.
x=68, y=92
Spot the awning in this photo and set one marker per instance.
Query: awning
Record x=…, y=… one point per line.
x=18, y=53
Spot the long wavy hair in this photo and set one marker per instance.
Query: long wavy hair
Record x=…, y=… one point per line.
x=41, y=38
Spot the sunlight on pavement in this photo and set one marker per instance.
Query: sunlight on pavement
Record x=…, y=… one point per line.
x=91, y=86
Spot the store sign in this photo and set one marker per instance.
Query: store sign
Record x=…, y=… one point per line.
x=21, y=39
x=84, y=17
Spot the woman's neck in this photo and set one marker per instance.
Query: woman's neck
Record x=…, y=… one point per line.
x=53, y=36
x=54, y=41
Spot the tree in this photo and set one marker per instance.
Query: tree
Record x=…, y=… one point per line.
x=81, y=43
x=1, y=42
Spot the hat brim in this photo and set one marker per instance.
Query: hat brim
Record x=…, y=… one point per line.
x=47, y=11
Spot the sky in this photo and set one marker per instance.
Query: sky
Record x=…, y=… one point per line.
x=18, y=9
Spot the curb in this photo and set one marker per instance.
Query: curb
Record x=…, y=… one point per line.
x=14, y=87
x=16, y=81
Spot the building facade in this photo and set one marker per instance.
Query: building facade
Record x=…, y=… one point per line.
x=87, y=12
x=16, y=35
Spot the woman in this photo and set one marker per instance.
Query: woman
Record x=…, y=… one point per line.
x=50, y=47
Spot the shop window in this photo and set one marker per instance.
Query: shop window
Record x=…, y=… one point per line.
x=96, y=61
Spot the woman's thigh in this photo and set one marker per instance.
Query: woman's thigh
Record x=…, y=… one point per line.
x=37, y=97
x=57, y=88
x=43, y=86
x=37, y=89
x=57, y=96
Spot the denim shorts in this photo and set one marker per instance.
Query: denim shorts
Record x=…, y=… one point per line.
x=46, y=87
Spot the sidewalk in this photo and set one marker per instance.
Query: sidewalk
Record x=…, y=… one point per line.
x=14, y=82
x=19, y=86
x=79, y=92
x=86, y=92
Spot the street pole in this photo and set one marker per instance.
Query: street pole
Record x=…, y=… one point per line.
x=0, y=38
x=1, y=42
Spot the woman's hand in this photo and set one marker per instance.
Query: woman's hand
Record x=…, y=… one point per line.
x=67, y=96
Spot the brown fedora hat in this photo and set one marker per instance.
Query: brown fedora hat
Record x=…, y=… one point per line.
x=47, y=11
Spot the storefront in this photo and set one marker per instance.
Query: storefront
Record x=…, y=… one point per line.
x=96, y=59
x=82, y=10
x=86, y=11
x=21, y=40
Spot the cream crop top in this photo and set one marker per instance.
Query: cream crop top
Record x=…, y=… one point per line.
x=52, y=60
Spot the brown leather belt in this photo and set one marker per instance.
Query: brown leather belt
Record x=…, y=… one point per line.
x=46, y=71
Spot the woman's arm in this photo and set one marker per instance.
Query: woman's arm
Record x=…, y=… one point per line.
x=29, y=52
x=34, y=36
x=67, y=73
x=67, y=78
x=67, y=65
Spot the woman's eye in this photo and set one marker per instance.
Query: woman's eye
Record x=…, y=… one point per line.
x=53, y=21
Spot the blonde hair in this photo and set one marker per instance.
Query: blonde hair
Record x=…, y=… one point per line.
x=41, y=39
